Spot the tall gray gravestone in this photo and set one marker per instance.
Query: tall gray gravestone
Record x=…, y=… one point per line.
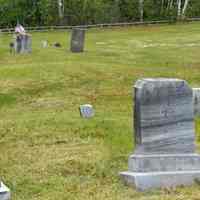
x=77, y=40
x=164, y=136
x=23, y=44
x=4, y=192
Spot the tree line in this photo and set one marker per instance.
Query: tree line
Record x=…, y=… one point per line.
x=80, y=12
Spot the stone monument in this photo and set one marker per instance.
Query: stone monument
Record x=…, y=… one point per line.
x=164, y=136
x=23, y=44
x=4, y=192
x=77, y=40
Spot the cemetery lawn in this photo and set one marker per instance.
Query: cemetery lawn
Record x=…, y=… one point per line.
x=47, y=151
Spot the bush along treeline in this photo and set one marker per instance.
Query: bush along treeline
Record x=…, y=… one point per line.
x=81, y=12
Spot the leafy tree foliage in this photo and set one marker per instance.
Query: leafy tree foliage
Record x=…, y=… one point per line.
x=77, y=12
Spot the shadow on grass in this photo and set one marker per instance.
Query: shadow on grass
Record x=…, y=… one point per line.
x=6, y=99
x=29, y=91
x=38, y=89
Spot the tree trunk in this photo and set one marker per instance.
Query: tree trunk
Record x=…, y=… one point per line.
x=179, y=9
x=184, y=8
x=141, y=10
x=162, y=7
x=60, y=9
x=169, y=6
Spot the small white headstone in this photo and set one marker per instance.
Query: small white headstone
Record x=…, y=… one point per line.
x=44, y=44
x=86, y=111
x=5, y=193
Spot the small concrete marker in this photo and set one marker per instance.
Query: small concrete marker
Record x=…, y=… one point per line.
x=86, y=111
x=4, y=192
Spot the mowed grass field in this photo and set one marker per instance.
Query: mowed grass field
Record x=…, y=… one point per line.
x=47, y=151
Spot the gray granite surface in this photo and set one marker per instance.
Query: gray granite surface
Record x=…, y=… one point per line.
x=164, y=136
x=163, y=162
x=164, y=117
x=23, y=44
x=77, y=40
x=152, y=180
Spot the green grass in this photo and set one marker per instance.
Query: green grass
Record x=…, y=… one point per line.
x=47, y=151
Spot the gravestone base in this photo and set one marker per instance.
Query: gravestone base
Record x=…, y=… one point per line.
x=164, y=162
x=163, y=170
x=4, y=192
x=153, y=180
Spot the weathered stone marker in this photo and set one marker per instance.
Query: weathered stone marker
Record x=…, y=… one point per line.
x=86, y=111
x=4, y=192
x=23, y=44
x=164, y=136
x=77, y=40
x=44, y=43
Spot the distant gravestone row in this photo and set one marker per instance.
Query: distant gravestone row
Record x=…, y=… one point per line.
x=164, y=136
x=23, y=43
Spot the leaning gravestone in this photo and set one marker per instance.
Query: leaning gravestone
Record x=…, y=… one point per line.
x=23, y=44
x=4, y=192
x=164, y=136
x=77, y=40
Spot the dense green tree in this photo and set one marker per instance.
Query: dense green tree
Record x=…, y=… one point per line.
x=78, y=12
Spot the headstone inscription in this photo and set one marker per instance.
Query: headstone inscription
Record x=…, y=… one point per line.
x=164, y=136
x=77, y=40
x=4, y=192
x=23, y=44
